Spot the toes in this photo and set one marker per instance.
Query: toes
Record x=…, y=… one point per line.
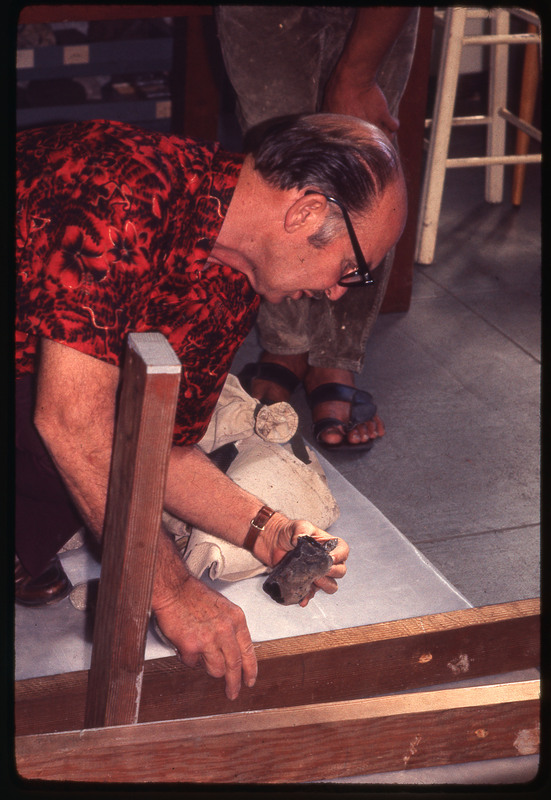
x=376, y=427
x=359, y=434
x=332, y=435
x=365, y=431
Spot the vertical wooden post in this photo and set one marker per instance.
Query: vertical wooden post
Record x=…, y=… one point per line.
x=143, y=437
x=528, y=93
x=195, y=92
x=410, y=141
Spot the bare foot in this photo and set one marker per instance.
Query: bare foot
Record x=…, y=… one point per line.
x=359, y=434
x=271, y=392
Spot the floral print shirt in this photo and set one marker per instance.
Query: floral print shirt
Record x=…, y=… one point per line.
x=114, y=226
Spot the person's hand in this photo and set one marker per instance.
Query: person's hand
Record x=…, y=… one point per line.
x=360, y=99
x=280, y=536
x=206, y=629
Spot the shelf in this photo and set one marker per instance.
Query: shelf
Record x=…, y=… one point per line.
x=154, y=113
x=120, y=57
x=182, y=48
x=95, y=58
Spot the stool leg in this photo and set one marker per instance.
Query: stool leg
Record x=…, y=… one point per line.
x=495, y=143
x=435, y=170
x=528, y=92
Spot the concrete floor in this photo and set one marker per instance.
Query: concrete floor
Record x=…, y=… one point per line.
x=457, y=383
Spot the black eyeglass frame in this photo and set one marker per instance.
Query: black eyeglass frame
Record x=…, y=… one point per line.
x=361, y=276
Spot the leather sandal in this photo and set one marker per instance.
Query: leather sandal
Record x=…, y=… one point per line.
x=362, y=409
x=268, y=371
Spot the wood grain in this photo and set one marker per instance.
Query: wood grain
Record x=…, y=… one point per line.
x=528, y=96
x=143, y=437
x=410, y=142
x=274, y=746
x=330, y=666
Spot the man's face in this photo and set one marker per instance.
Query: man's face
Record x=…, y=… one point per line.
x=301, y=269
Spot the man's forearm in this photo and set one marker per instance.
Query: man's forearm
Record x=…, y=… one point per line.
x=75, y=415
x=202, y=495
x=373, y=33
x=75, y=412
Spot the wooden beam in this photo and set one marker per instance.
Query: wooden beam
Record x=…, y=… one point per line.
x=305, y=743
x=410, y=142
x=195, y=79
x=528, y=96
x=143, y=437
x=336, y=665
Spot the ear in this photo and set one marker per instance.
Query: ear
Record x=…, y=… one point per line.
x=307, y=210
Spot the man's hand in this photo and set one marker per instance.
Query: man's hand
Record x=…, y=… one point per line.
x=208, y=630
x=363, y=99
x=75, y=413
x=280, y=535
x=353, y=88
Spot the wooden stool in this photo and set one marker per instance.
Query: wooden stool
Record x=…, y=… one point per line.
x=496, y=119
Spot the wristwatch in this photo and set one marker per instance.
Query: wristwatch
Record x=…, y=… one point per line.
x=256, y=527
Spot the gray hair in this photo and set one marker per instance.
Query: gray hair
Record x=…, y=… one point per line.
x=340, y=156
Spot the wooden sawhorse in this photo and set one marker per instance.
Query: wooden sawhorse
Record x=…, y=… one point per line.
x=349, y=690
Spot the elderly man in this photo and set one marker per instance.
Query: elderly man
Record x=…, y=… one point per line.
x=123, y=230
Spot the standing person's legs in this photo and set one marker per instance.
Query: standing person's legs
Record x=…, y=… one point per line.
x=268, y=56
x=278, y=59
x=340, y=329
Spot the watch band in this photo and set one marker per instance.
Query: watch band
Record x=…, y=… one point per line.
x=256, y=527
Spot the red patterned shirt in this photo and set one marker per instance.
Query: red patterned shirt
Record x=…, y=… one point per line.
x=114, y=226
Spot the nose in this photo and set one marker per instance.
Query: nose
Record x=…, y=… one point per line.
x=336, y=292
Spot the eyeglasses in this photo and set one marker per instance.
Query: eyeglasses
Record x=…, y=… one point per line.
x=361, y=276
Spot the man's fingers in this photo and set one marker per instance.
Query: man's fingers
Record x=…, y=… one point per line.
x=240, y=663
x=226, y=663
x=337, y=571
x=236, y=663
x=190, y=658
x=218, y=664
x=232, y=660
x=214, y=662
x=248, y=656
x=326, y=584
x=305, y=600
x=211, y=632
x=339, y=555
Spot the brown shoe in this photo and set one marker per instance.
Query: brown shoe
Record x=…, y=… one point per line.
x=49, y=587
